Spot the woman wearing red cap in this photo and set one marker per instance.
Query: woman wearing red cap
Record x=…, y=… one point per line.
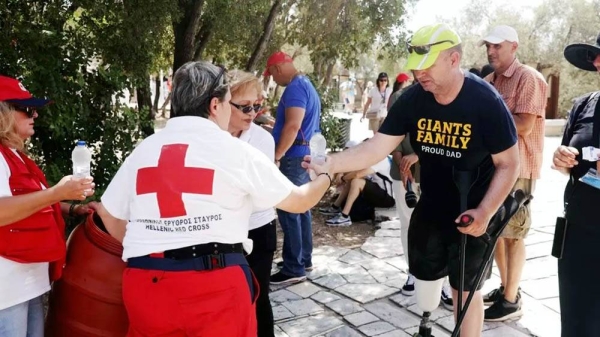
x=32, y=243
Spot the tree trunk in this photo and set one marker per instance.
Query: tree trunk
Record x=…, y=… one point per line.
x=185, y=30
x=156, y=93
x=202, y=40
x=328, y=73
x=164, y=106
x=144, y=101
x=261, y=45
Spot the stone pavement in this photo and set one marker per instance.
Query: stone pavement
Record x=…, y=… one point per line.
x=357, y=292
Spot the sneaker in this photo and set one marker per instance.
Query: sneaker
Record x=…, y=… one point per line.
x=446, y=298
x=339, y=220
x=493, y=296
x=503, y=310
x=280, y=278
x=408, y=289
x=331, y=210
x=309, y=268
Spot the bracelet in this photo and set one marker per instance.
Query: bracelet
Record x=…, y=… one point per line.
x=71, y=209
x=328, y=176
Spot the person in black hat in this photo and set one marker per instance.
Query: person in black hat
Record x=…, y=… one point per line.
x=578, y=239
x=375, y=110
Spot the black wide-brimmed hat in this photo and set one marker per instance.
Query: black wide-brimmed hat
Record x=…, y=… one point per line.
x=583, y=55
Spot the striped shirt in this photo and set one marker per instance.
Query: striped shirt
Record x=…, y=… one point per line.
x=524, y=91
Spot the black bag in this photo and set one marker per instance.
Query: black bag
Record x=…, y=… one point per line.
x=361, y=210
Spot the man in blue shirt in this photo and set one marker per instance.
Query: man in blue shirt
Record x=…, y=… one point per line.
x=298, y=117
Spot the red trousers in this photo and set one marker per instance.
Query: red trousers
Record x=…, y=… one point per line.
x=214, y=303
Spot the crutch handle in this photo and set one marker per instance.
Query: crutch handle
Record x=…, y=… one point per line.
x=465, y=220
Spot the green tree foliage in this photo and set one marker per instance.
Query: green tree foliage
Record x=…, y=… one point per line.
x=83, y=57
x=544, y=32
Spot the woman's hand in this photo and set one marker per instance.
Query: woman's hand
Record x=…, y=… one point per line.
x=564, y=158
x=407, y=161
x=69, y=188
x=81, y=210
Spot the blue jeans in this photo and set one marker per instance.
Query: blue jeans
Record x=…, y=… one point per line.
x=297, y=228
x=23, y=320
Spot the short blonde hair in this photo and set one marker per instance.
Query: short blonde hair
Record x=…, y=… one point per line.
x=240, y=81
x=8, y=131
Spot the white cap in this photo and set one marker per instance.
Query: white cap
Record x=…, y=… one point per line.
x=500, y=34
x=351, y=143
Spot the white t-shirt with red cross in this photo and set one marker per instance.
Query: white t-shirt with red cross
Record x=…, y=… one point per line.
x=192, y=183
x=19, y=282
x=262, y=140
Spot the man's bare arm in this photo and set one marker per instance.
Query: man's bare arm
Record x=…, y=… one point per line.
x=366, y=154
x=505, y=176
x=293, y=122
x=524, y=123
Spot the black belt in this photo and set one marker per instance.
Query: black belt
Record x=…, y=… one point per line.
x=200, y=263
x=212, y=248
x=198, y=257
x=301, y=142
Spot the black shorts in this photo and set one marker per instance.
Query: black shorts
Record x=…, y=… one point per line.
x=376, y=196
x=433, y=250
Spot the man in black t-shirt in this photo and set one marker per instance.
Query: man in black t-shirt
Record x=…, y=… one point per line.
x=455, y=120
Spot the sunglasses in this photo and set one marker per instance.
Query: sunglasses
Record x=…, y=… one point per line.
x=424, y=49
x=247, y=108
x=27, y=110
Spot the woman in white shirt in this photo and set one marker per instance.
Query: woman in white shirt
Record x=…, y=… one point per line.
x=375, y=110
x=32, y=242
x=245, y=90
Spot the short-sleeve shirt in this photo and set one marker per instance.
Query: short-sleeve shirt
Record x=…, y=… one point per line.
x=191, y=183
x=524, y=91
x=19, y=282
x=582, y=200
x=300, y=93
x=461, y=135
x=379, y=100
x=262, y=140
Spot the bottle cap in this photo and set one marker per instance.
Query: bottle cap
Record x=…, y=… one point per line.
x=81, y=143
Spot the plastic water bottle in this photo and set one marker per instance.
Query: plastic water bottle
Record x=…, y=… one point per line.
x=82, y=160
x=318, y=151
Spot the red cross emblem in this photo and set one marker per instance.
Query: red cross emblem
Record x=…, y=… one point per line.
x=171, y=178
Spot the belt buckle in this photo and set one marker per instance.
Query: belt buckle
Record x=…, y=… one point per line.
x=214, y=261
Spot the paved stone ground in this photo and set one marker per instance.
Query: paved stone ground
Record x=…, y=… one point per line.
x=357, y=292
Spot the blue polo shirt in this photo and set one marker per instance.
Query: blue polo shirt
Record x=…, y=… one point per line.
x=300, y=93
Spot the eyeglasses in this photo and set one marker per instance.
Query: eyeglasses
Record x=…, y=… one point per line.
x=424, y=49
x=30, y=112
x=247, y=108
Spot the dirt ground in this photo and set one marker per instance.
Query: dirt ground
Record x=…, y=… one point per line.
x=348, y=237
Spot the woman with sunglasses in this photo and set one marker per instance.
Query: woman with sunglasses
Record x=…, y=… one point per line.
x=375, y=110
x=245, y=92
x=181, y=204
x=32, y=229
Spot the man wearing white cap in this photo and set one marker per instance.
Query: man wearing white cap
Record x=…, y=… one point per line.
x=524, y=92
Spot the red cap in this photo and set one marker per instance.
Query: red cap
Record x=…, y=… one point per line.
x=402, y=77
x=277, y=58
x=13, y=91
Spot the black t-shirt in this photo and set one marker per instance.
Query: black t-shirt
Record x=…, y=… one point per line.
x=579, y=133
x=461, y=135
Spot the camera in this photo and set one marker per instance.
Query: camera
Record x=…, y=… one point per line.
x=410, y=197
